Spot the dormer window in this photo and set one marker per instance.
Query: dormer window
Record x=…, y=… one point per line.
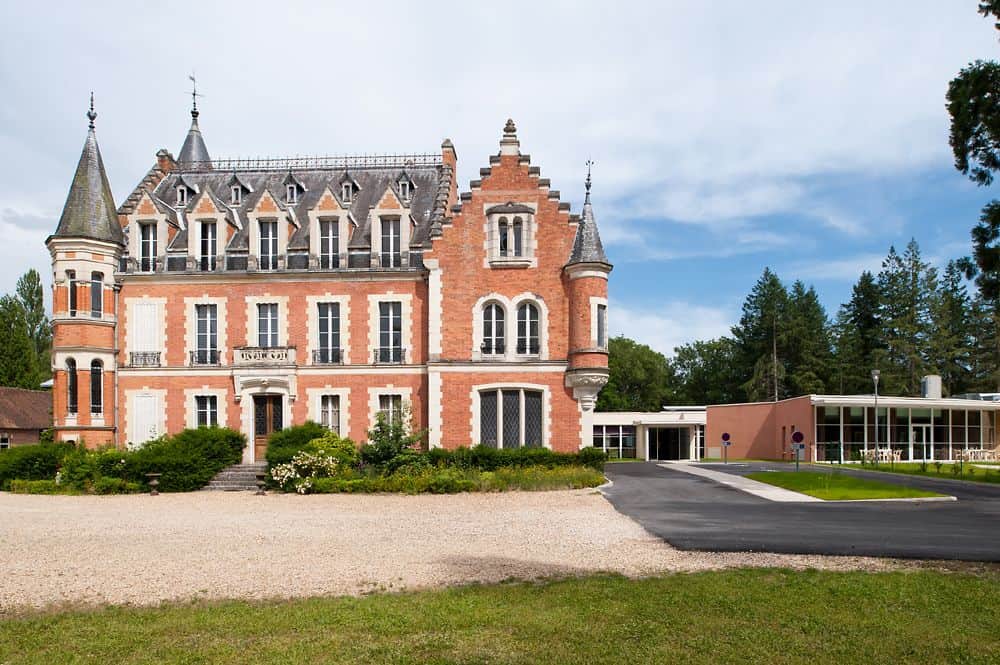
x=292, y=194
x=511, y=235
x=236, y=195
x=182, y=195
x=347, y=192
x=404, y=189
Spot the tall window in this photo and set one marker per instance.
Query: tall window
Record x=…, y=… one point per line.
x=147, y=247
x=329, y=412
x=292, y=194
x=269, y=245
x=404, y=189
x=493, y=329
x=527, y=329
x=208, y=410
x=390, y=243
x=329, y=333
x=4, y=441
x=71, y=282
x=207, y=352
x=602, y=326
x=208, y=246
x=236, y=195
x=96, y=294
x=267, y=325
x=96, y=387
x=504, y=232
x=510, y=418
x=518, y=237
x=329, y=243
x=72, y=405
x=391, y=407
x=390, y=332
x=346, y=192
x=182, y=195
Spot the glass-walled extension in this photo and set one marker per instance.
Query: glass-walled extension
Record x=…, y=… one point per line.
x=618, y=441
x=849, y=433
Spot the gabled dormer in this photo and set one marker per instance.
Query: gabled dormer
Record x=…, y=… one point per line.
x=293, y=188
x=405, y=188
x=347, y=189
x=184, y=191
x=238, y=189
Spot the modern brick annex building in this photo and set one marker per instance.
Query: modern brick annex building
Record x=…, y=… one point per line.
x=258, y=294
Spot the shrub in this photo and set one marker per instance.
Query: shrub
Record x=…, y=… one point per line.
x=282, y=445
x=19, y=486
x=105, y=485
x=491, y=459
x=328, y=456
x=37, y=462
x=186, y=461
x=388, y=439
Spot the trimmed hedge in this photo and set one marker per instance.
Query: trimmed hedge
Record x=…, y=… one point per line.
x=451, y=480
x=36, y=462
x=282, y=445
x=491, y=459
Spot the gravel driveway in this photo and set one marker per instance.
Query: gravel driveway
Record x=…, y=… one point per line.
x=142, y=550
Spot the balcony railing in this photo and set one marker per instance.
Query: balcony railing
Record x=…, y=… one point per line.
x=204, y=357
x=144, y=359
x=490, y=349
x=527, y=349
x=327, y=357
x=389, y=356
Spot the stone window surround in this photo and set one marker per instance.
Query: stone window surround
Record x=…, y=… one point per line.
x=406, y=395
x=191, y=324
x=312, y=324
x=491, y=237
x=344, y=226
x=510, y=306
x=314, y=397
x=251, y=320
x=406, y=224
x=191, y=404
x=254, y=218
x=194, y=238
x=161, y=233
x=476, y=408
x=406, y=313
x=161, y=304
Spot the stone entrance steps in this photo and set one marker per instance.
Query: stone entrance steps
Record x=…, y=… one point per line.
x=236, y=478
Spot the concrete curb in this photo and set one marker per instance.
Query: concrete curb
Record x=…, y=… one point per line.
x=912, y=499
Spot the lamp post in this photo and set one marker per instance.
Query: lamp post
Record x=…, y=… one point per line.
x=875, y=375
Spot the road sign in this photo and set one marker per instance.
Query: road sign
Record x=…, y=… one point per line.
x=797, y=437
x=727, y=443
x=725, y=436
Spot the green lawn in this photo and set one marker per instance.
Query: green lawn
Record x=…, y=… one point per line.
x=742, y=616
x=951, y=471
x=835, y=486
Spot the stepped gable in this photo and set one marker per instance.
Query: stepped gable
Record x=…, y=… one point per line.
x=89, y=211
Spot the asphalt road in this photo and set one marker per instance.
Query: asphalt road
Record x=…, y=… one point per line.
x=694, y=513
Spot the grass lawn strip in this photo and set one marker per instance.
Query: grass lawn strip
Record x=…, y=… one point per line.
x=761, y=616
x=980, y=473
x=837, y=487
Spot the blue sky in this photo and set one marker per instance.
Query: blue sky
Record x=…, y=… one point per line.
x=728, y=136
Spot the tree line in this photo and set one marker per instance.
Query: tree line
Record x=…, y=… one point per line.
x=26, y=333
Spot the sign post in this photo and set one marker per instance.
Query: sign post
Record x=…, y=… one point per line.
x=797, y=438
x=725, y=447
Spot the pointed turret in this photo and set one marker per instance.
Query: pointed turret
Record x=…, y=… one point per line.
x=587, y=247
x=193, y=153
x=90, y=208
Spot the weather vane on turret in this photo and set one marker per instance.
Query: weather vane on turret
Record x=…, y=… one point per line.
x=194, y=95
x=92, y=114
x=586, y=183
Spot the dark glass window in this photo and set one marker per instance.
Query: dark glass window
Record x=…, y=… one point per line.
x=207, y=335
x=71, y=281
x=268, y=245
x=329, y=332
x=329, y=243
x=267, y=325
x=96, y=387
x=208, y=410
x=390, y=332
x=72, y=404
x=96, y=294
x=527, y=329
x=493, y=329
x=209, y=246
x=147, y=247
x=390, y=257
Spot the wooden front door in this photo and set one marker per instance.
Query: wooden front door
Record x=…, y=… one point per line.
x=267, y=418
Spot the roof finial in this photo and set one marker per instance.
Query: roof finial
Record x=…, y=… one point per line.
x=586, y=183
x=194, y=95
x=91, y=114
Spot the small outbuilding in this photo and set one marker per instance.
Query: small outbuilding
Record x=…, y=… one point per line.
x=23, y=415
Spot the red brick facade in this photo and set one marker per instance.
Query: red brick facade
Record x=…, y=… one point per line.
x=506, y=244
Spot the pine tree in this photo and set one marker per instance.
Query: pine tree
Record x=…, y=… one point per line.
x=806, y=333
x=29, y=294
x=951, y=341
x=859, y=336
x=906, y=283
x=759, y=359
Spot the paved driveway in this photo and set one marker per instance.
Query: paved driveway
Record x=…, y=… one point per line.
x=695, y=513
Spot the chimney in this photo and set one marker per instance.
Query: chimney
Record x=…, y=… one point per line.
x=930, y=387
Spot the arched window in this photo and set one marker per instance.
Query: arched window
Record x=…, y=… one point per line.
x=96, y=387
x=504, y=235
x=493, y=329
x=527, y=329
x=71, y=403
x=518, y=237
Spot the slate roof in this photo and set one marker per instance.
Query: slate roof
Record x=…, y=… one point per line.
x=89, y=211
x=25, y=409
x=194, y=150
x=587, y=246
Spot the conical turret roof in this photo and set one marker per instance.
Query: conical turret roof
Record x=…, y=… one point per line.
x=194, y=153
x=90, y=208
x=587, y=247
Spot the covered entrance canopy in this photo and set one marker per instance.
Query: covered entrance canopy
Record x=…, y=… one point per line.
x=676, y=433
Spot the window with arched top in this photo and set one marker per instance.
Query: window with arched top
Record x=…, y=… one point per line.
x=503, y=234
x=493, y=329
x=528, y=329
x=71, y=385
x=97, y=387
x=518, y=237
x=182, y=195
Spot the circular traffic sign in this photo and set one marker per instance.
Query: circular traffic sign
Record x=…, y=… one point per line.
x=725, y=436
x=797, y=437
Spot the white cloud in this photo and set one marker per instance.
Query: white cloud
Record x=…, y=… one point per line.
x=845, y=269
x=664, y=326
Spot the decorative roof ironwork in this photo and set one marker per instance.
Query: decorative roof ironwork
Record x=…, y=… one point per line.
x=332, y=162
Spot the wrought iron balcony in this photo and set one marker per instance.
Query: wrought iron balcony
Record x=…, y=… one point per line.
x=488, y=348
x=144, y=359
x=389, y=355
x=527, y=349
x=327, y=357
x=204, y=357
